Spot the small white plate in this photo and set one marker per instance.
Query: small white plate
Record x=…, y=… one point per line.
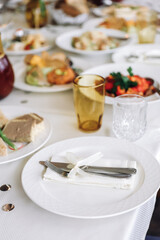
x=48, y=45
x=41, y=139
x=64, y=41
x=139, y=50
x=143, y=70
x=81, y=201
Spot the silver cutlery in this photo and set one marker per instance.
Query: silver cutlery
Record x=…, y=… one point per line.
x=65, y=168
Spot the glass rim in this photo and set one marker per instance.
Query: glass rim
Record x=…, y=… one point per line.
x=130, y=96
x=91, y=86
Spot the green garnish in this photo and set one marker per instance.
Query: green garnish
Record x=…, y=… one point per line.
x=123, y=81
x=60, y=72
x=34, y=74
x=42, y=8
x=129, y=70
x=31, y=80
x=6, y=140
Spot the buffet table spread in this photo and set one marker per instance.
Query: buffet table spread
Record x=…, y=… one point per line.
x=29, y=221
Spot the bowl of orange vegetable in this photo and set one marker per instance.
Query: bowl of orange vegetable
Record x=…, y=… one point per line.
x=126, y=78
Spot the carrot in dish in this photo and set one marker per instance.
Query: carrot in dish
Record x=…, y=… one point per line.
x=118, y=84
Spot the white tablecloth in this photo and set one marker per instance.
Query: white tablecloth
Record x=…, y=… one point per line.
x=28, y=221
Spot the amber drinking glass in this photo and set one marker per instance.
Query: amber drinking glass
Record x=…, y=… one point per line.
x=89, y=95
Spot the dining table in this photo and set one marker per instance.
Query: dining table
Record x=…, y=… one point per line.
x=28, y=220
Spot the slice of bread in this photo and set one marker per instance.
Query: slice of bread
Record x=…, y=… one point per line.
x=3, y=119
x=81, y=6
x=24, y=128
x=3, y=148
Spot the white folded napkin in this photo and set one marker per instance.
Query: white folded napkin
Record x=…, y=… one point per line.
x=78, y=176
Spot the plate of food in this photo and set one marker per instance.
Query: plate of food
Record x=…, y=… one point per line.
x=93, y=41
x=45, y=73
x=142, y=53
x=128, y=78
x=127, y=11
x=22, y=42
x=22, y=132
x=91, y=201
x=112, y=22
x=69, y=12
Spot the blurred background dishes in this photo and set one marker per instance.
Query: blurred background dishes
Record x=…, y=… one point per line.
x=69, y=12
x=145, y=53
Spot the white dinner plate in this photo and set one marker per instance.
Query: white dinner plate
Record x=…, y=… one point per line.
x=47, y=46
x=81, y=201
x=64, y=41
x=20, y=73
x=143, y=70
x=139, y=50
x=15, y=111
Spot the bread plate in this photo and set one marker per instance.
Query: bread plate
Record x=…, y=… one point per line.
x=41, y=138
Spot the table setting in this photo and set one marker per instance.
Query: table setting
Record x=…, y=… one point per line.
x=79, y=119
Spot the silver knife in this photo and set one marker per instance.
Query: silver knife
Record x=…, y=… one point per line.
x=114, y=172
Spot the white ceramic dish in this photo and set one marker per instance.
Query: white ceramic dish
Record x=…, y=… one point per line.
x=64, y=41
x=61, y=18
x=139, y=50
x=20, y=73
x=81, y=201
x=141, y=69
x=48, y=45
x=15, y=111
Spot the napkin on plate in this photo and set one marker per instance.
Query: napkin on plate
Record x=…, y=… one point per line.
x=78, y=176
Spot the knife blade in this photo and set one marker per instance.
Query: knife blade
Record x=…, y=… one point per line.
x=64, y=171
x=94, y=169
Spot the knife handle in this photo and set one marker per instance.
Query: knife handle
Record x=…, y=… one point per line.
x=109, y=174
x=109, y=169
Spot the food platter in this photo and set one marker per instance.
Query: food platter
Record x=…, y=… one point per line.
x=20, y=72
x=64, y=41
x=15, y=111
x=91, y=202
x=49, y=43
x=141, y=69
